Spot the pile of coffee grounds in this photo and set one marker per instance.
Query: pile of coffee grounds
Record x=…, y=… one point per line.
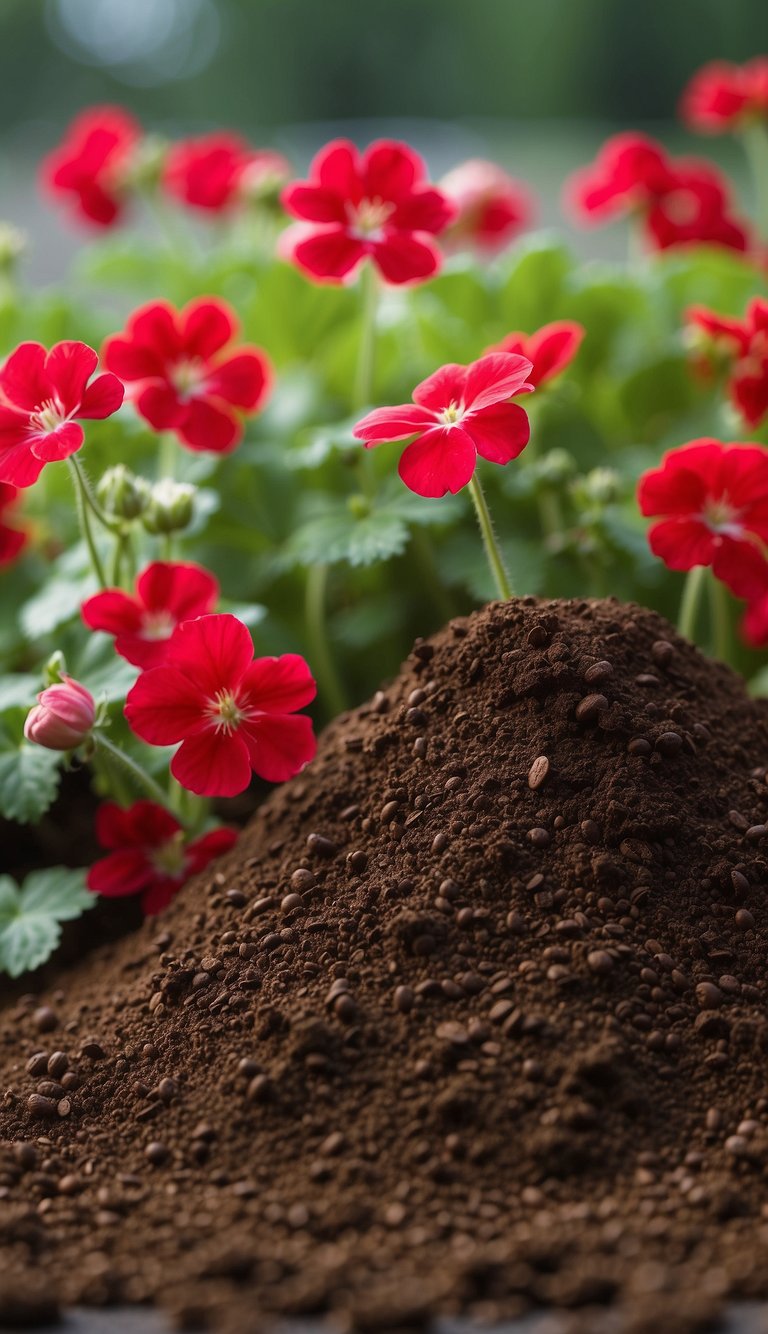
x=473, y=1019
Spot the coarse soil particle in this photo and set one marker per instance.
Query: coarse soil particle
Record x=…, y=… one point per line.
x=473, y=1019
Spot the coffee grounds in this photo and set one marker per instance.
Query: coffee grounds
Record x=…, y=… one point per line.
x=472, y=1019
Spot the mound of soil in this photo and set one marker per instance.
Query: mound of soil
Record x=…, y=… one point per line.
x=473, y=1018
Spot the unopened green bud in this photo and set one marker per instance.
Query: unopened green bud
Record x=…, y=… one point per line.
x=359, y=506
x=602, y=486
x=555, y=468
x=170, y=508
x=122, y=493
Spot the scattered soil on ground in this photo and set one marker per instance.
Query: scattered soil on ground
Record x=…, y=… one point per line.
x=473, y=1019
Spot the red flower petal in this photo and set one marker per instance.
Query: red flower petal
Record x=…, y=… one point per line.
x=23, y=380
x=328, y=255
x=278, y=685
x=51, y=446
x=336, y=168
x=112, y=611
x=119, y=874
x=213, y=764
x=207, y=325
x=213, y=651
x=682, y=543
x=499, y=433
x=314, y=204
x=210, y=845
x=102, y=397
x=684, y=481
x=426, y=210
x=68, y=368
x=393, y=423
x=185, y=590
x=442, y=460
x=165, y=705
x=552, y=348
x=210, y=426
x=495, y=378
x=160, y=405
x=242, y=379
x=279, y=745
x=390, y=170
x=404, y=259
x=444, y=387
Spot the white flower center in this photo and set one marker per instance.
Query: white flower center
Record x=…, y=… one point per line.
x=157, y=625
x=721, y=517
x=452, y=414
x=188, y=376
x=49, y=416
x=225, y=713
x=170, y=858
x=368, y=218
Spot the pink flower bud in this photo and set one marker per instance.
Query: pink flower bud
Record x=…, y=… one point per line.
x=63, y=716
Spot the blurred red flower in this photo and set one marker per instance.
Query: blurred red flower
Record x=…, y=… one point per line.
x=91, y=166
x=678, y=201
x=217, y=171
x=492, y=208
x=742, y=345
x=373, y=205
x=148, y=854
x=231, y=713
x=166, y=594
x=456, y=414
x=722, y=96
x=186, y=375
x=41, y=394
x=714, y=501
x=550, y=349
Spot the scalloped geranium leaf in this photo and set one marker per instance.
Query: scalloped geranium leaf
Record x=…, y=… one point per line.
x=29, y=780
x=31, y=915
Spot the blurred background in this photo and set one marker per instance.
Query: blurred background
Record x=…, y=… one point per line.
x=536, y=86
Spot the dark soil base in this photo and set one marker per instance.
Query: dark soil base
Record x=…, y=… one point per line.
x=472, y=1020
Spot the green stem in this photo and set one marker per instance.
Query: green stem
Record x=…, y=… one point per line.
x=550, y=513
x=112, y=525
x=755, y=140
x=84, y=521
x=139, y=775
x=166, y=460
x=369, y=290
x=492, y=550
x=720, y=618
x=321, y=658
x=691, y=601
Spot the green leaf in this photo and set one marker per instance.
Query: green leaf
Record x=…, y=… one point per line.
x=18, y=691
x=56, y=603
x=29, y=780
x=31, y=915
x=340, y=536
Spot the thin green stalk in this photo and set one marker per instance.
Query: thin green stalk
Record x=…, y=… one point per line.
x=111, y=525
x=492, y=549
x=166, y=460
x=690, y=602
x=139, y=775
x=720, y=618
x=366, y=357
x=550, y=513
x=84, y=521
x=755, y=140
x=321, y=657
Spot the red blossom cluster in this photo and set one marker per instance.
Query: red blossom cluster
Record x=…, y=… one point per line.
x=711, y=500
x=722, y=96
x=740, y=347
x=218, y=171
x=492, y=208
x=676, y=201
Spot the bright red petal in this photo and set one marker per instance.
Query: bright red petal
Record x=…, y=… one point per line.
x=684, y=481
x=101, y=398
x=121, y=873
x=442, y=460
x=427, y=210
x=494, y=379
x=112, y=611
x=552, y=348
x=328, y=255
x=213, y=764
x=23, y=380
x=51, y=446
x=159, y=404
x=242, y=379
x=68, y=367
x=499, y=433
x=336, y=169
x=314, y=204
x=210, y=426
x=207, y=326
x=404, y=259
x=165, y=705
x=211, y=845
x=185, y=590
x=682, y=543
x=213, y=651
x=390, y=170
x=278, y=685
x=441, y=389
x=393, y=423
x=279, y=745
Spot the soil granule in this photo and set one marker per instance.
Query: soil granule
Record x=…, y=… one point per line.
x=473, y=1019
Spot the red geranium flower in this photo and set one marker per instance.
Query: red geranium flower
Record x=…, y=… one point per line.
x=148, y=854
x=12, y=539
x=743, y=345
x=456, y=414
x=679, y=201
x=492, y=208
x=219, y=170
x=714, y=499
x=722, y=96
x=143, y=623
x=41, y=393
x=375, y=206
x=550, y=349
x=91, y=166
x=187, y=377
x=231, y=714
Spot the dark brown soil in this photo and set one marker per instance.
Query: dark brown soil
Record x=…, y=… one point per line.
x=473, y=1018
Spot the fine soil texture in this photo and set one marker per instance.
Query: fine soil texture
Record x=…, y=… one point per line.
x=473, y=1019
